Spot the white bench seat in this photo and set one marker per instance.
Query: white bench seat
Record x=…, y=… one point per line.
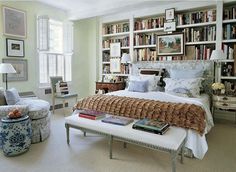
x=172, y=141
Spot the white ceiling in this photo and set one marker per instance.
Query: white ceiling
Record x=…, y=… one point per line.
x=79, y=9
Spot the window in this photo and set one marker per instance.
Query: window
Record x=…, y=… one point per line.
x=55, y=49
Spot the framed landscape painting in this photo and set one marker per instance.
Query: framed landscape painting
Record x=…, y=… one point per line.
x=170, y=44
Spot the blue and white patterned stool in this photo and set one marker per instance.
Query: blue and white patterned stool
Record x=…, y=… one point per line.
x=15, y=135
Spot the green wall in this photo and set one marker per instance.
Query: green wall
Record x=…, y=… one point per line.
x=84, y=69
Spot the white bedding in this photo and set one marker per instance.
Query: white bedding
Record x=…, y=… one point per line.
x=195, y=141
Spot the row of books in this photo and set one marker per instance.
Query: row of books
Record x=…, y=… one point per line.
x=145, y=39
x=150, y=23
x=230, y=51
x=229, y=13
x=199, y=52
x=229, y=31
x=149, y=125
x=207, y=33
x=115, y=28
x=195, y=17
x=145, y=54
x=124, y=42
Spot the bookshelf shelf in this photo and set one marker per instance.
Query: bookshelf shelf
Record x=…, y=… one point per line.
x=116, y=34
x=105, y=62
x=227, y=60
x=145, y=46
x=229, y=21
x=149, y=30
x=196, y=25
x=228, y=77
x=229, y=41
x=200, y=43
x=108, y=49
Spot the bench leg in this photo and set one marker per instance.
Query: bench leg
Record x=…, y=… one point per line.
x=125, y=145
x=67, y=133
x=110, y=146
x=173, y=161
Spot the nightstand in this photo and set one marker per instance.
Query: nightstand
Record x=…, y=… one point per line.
x=109, y=86
x=225, y=103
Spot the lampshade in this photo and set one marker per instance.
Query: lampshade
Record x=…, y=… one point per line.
x=218, y=55
x=7, y=68
x=125, y=58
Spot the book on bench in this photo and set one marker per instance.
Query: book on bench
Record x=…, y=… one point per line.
x=91, y=114
x=151, y=125
x=118, y=120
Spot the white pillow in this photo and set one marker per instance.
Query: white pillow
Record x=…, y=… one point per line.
x=12, y=96
x=186, y=73
x=185, y=87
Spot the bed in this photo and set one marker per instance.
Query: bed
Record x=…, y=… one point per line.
x=192, y=77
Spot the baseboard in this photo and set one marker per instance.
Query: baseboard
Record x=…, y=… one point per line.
x=59, y=106
x=226, y=115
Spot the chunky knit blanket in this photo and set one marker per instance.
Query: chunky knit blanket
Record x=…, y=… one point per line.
x=184, y=115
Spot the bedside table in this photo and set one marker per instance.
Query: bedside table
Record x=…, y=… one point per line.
x=225, y=103
x=109, y=86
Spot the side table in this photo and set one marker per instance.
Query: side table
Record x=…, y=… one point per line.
x=225, y=103
x=15, y=135
x=109, y=86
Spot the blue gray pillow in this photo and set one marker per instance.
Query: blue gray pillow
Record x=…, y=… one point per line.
x=138, y=86
x=12, y=96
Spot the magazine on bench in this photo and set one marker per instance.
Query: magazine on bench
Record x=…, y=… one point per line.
x=91, y=114
x=118, y=120
x=151, y=125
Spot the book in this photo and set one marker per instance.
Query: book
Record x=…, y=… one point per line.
x=91, y=117
x=150, y=130
x=151, y=125
x=118, y=120
x=91, y=113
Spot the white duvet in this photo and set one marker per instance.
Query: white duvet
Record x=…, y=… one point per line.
x=195, y=141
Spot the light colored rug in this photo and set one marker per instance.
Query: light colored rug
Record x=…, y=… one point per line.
x=91, y=154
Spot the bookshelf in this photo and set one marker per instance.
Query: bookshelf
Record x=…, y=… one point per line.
x=114, y=32
x=228, y=66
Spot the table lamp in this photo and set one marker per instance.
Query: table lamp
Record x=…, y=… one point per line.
x=6, y=68
x=126, y=60
x=217, y=56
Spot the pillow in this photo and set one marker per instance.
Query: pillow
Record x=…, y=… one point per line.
x=152, y=81
x=186, y=73
x=187, y=87
x=12, y=96
x=138, y=86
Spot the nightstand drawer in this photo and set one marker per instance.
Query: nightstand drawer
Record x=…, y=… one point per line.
x=224, y=98
x=224, y=105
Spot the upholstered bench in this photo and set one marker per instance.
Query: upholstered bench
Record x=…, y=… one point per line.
x=172, y=141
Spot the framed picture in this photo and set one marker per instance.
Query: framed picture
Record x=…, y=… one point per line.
x=115, y=65
x=14, y=22
x=170, y=44
x=115, y=50
x=169, y=26
x=21, y=68
x=170, y=14
x=15, y=48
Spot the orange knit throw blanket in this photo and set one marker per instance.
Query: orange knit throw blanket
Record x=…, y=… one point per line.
x=184, y=115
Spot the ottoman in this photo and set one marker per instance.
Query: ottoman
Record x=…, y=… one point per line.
x=15, y=135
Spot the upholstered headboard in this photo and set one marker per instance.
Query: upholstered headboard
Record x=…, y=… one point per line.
x=206, y=66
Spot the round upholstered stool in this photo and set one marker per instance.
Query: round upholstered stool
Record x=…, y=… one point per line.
x=16, y=135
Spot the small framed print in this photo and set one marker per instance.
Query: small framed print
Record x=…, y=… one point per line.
x=115, y=65
x=115, y=49
x=169, y=26
x=15, y=48
x=170, y=14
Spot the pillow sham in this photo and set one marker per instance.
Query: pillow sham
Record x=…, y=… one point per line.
x=138, y=86
x=152, y=81
x=185, y=87
x=186, y=73
x=12, y=96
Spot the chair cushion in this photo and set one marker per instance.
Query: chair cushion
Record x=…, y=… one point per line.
x=12, y=96
x=37, y=108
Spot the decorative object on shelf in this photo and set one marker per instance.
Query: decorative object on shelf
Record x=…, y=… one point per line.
x=115, y=49
x=115, y=64
x=14, y=22
x=20, y=66
x=169, y=26
x=217, y=56
x=6, y=68
x=170, y=14
x=126, y=60
x=15, y=113
x=15, y=48
x=218, y=87
x=170, y=44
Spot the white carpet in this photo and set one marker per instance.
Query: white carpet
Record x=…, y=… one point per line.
x=91, y=154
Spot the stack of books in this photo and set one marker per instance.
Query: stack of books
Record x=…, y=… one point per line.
x=150, y=125
x=91, y=114
x=118, y=120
